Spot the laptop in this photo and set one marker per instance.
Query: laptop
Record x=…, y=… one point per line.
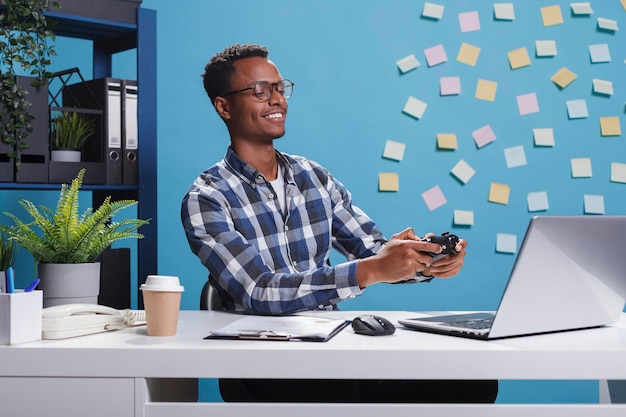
x=570, y=273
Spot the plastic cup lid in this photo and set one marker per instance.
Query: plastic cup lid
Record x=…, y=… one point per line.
x=162, y=283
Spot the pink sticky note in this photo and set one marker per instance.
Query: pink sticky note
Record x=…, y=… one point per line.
x=527, y=104
x=435, y=55
x=483, y=136
x=450, y=85
x=434, y=198
x=469, y=21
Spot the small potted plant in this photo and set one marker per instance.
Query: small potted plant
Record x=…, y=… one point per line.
x=8, y=250
x=65, y=245
x=68, y=133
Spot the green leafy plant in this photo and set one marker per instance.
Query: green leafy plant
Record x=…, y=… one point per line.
x=8, y=250
x=70, y=130
x=65, y=237
x=26, y=43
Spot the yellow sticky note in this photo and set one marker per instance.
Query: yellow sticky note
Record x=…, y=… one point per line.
x=468, y=54
x=486, y=90
x=624, y=4
x=388, y=181
x=446, y=141
x=519, y=58
x=499, y=193
x=563, y=77
x=551, y=15
x=610, y=126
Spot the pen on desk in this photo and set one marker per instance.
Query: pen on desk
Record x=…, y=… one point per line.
x=32, y=285
x=10, y=280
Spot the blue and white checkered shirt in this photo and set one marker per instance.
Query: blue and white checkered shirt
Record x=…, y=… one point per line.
x=268, y=262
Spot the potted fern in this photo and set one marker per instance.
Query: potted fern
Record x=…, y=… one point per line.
x=8, y=250
x=68, y=133
x=65, y=245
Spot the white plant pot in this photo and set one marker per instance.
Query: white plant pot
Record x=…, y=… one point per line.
x=65, y=155
x=69, y=283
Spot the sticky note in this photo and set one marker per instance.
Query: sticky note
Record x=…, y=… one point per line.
x=463, y=217
x=434, y=198
x=446, y=141
x=544, y=136
x=623, y=4
x=506, y=243
x=468, y=54
x=486, y=90
x=581, y=8
x=515, y=157
x=483, y=136
x=602, y=87
x=518, y=58
x=432, y=11
x=563, y=77
x=607, y=24
x=577, y=109
x=600, y=53
x=581, y=167
x=538, y=201
x=394, y=150
x=415, y=107
x=388, y=181
x=594, y=204
x=618, y=172
x=469, y=21
x=527, y=104
x=499, y=193
x=408, y=63
x=463, y=171
x=610, y=126
x=449, y=86
x=551, y=15
x=435, y=55
x=545, y=48
x=504, y=11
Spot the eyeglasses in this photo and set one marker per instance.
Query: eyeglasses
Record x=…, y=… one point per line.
x=263, y=90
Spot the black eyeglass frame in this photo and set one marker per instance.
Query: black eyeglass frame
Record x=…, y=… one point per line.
x=273, y=87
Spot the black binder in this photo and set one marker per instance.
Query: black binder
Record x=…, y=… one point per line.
x=106, y=144
x=130, y=132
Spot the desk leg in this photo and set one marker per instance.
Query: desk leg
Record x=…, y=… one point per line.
x=612, y=391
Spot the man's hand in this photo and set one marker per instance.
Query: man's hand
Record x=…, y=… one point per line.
x=449, y=265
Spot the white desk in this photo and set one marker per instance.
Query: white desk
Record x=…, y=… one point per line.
x=126, y=373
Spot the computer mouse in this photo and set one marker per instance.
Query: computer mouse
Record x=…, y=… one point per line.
x=371, y=325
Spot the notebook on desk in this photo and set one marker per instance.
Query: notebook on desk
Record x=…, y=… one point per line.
x=570, y=273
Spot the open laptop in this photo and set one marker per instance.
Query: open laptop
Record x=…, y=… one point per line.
x=570, y=273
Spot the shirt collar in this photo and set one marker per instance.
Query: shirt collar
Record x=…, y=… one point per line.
x=249, y=174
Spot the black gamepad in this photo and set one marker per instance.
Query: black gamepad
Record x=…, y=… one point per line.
x=447, y=242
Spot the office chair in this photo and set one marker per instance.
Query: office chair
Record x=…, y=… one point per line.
x=210, y=299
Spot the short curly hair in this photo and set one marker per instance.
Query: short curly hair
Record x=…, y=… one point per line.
x=220, y=68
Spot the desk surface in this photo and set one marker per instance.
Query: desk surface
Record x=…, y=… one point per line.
x=585, y=354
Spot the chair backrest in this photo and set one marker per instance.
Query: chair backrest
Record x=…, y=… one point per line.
x=210, y=299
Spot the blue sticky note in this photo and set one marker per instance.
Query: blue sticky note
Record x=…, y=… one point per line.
x=594, y=204
x=600, y=53
x=577, y=109
x=506, y=243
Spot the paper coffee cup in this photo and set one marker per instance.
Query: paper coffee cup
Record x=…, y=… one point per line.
x=161, y=297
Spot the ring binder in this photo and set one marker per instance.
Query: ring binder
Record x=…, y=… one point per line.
x=130, y=133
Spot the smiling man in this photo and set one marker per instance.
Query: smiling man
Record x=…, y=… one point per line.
x=264, y=224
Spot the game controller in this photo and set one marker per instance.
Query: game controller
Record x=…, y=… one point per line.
x=447, y=242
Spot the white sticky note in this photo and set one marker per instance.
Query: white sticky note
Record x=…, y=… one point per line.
x=449, y=86
x=581, y=167
x=408, y=63
x=618, y=172
x=603, y=87
x=504, y=11
x=435, y=55
x=600, y=53
x=544, y=136
x=394, y=150
x=577, y=109
x=506, y=243
x=594, y=204
x=538, y=201
x=607, y=24
x=415, y=107
x=581, y=8
x=433, y=11
x=515, y=156
x=545, y=48
x=463, y=217
x=463, y=171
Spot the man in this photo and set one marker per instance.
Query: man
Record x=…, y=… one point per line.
x=264, y=223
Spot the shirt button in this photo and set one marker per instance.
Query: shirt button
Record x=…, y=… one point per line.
x=270, y=195
x=321, y=306
x=351, y=296
x=253, y=184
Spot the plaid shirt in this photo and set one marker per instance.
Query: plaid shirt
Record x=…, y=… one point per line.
x=266, y=261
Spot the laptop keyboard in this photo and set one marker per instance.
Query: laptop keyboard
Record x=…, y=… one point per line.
x=478, y=324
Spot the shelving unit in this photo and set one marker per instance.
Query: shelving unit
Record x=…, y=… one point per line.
x=110, y=37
